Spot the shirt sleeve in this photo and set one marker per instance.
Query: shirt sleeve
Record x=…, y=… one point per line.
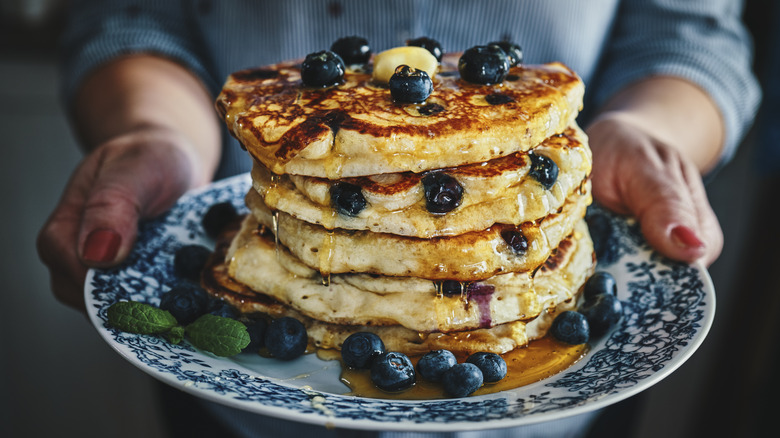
x=703, y=41
x=99, y=31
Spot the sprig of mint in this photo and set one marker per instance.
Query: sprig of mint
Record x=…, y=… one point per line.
x=141, y=318
x=216, y=334
x=219, y=335
x=176, y=335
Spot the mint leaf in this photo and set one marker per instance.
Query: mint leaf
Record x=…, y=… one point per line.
x=218, y=335
x=141, y=318
x=175, y=335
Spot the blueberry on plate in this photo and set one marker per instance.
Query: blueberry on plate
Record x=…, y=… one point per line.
x=360, y=349
x=286, y=338
x=428, y=44
x=484, y=65
x=493, y=366
x=347, y=198
x=602, y=313
x=514, y=53
x=322, y=69
x=599, y=283
x=462, y=380
x=434, y=363
x=256, y=330
x=605, y=237
x=221, y=308
x=544, y=170
x=352, y=49
x=410, y=85
x=186, y=302
x=392, y=371
x=443, y=193
x=570, y=327
x=217, y=217
x=189, y=260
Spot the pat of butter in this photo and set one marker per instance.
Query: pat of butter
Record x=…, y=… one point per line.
x=386, y=62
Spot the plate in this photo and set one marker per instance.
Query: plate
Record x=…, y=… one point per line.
x=668, y=309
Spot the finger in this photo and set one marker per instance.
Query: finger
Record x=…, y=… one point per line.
x=56, y=242
x=709, y=226
x=56, y=246
x=661, y=200
x=134, y=181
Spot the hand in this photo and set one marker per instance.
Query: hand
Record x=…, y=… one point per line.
x=637, y=174
x=135, y=176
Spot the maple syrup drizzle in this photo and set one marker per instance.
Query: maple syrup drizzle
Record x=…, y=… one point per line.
x=275, y=224
x=328, y=247
x=539, y=360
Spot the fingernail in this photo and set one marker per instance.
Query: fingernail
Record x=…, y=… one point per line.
x=684, y=237
x=101, y=245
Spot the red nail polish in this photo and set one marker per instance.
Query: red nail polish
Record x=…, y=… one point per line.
x=684, y=237
x=101, y=245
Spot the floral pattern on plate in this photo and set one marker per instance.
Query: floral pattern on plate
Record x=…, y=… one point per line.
x=667, y=310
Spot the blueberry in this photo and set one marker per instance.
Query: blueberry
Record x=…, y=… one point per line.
x=516, y=240
x=286, y=338
x=605, y=238
x=514, y=53
x=600, y=283
x=434, y=363
x=392, y=371
x=602, y=313
x=443, y=193
x=352, y=49
x=347, y=198
x=428, y=44
x=189, y=260
x=493, y=366
x=360, y=349
x=409, y=85
x=484, y=65
x=452, y=287
x=218, y=217
x=256, y=330
x=570, y=327
x=543, y=169
x=322, y=69
x=430, y=109
x=462, y=379
x=186, y=302
x=498, y=99
x=223, y=309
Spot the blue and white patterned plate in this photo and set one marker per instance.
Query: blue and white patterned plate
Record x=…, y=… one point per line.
x=668, y=309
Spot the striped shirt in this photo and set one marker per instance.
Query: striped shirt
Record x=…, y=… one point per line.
x=609, y=43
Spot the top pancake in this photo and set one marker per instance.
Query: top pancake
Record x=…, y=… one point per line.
x=356, y=129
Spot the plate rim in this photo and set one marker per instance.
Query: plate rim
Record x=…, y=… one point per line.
x=321, y=418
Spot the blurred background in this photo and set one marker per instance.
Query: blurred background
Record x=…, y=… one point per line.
x=58, y=378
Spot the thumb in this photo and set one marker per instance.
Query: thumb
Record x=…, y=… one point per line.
x=132, y=182
x=669, y=216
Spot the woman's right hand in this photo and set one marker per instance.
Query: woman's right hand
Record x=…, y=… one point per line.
x=126, y=179
x=153, y=133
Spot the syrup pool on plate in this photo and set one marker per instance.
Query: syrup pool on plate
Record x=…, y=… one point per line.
x=525, y=365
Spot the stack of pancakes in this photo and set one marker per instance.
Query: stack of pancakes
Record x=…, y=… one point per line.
x=490, y=274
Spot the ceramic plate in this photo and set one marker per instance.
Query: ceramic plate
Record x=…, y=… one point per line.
x=668, y=309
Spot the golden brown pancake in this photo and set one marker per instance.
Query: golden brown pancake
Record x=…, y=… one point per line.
x=470, y=256
x=356, y=129
x=495, y=315
x=497, y=191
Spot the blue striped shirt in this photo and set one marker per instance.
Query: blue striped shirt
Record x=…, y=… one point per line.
x=609, y=43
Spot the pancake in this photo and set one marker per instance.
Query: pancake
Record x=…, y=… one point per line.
x=466, y=257
x=356, y=129
x=396, y=202
x=413, y=320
